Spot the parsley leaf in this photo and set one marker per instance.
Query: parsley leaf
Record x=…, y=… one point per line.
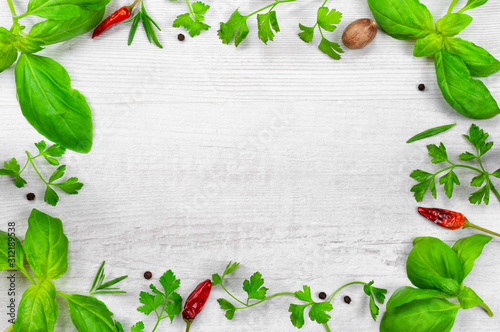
x=327, y=19
x=228, y=306
x=317, y=312
x=297, y=314
x=267, y=23
x=254, y=288
x=236, y=26
x=138, y=327
x=449, y=179
x=193, y=21
x=438, y=153
x=374, y=294
x=12, y=168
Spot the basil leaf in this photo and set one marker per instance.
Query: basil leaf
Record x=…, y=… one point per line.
x=479, y=61
x=38, y=308
x=56, y=31
x=46, y=246
x=11, y=253
x=469, y=249
x=402, y=19
x=432, y=264
x=469, y=299
x=48, y=102
x=8, y=52
x=89, y=314
x=429, y=315
x=471, y=4
x=408, y=294
x=429, y=45
x=452, y=24
x=61, y=9
x=467, y=96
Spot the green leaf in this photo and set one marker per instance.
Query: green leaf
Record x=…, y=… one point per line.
x=469, y=299
x=319, y=311
x=266, y=24
x=50, y=197
x=297, y=314
x=138, y=327
x=471, y=4
x=482, y=195
x=307, y=33
x=438, y=153
x=228, y=306
x=466, y=156
x=196, y=28
x=230, y=268
x=330, y=48
x=431, y=132
x=429, y=315
x=118, y=326
x=199, y=10
x=469, y=249
x=8, y=52
x=50, y=32
x=254, y=288
x=429, y=45
x=11, y=252
x=46, y=246
x=61, y=9
x=449, y=180
x=432, y=264
x=477, y=137
x=48, y=102
x=150, y=302
x=183, y=20
x=466, y=95
x=12, y=168
x=420, y=175
x=305, y=294
x=89, y=314
x=420, y=189
x=408, y=294
x=70, y=186
x=216, y=279
x=478, y=180
x=496, y=173
x=169, y=282
x=479, y=61
x=236, y=26
x=328, y=19
x=147, y=23
x=374, y=293
x=38, y=309
x=58, y=173
x=452, y=24
x=174, y=306
x=402, y=19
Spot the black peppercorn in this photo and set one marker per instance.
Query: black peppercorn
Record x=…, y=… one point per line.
x=347, y=299
x=148, y=275
x=181, y=37
x=30, y=196
x=322, y=295
x=421, y=87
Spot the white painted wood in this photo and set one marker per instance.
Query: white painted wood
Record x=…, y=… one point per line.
x=274, y=156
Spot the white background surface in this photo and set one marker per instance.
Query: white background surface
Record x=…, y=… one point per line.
x=275, y=156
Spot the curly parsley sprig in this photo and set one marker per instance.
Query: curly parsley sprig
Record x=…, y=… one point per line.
x=318, y=311
x=70, y=186
x=427, y=181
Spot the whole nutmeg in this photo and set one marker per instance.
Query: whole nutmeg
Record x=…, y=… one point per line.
x=359, y=33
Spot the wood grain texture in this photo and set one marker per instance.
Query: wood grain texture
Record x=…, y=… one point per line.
x=274, y=156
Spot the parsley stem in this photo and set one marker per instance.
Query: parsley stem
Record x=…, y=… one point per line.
x=327, y=327
x=348, y=284
x=495, y=191
x=274, y=4
x=190, y=9
x=267, y=298
x=324, y=3
x=34, y=167
x=224, y=288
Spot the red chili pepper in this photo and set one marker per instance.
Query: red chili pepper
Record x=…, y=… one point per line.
x=118, y=16
x=196, y=301
x=450, y=219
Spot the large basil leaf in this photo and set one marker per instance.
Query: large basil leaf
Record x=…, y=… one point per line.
x=479, y=61
x=89, y=314
x=469, y=299
x=429, y=45
x=11, y=253
x=467, y=96
x=407, y=294
x=56, y=31
x=61, y=9
x=432, y=264
x=48, y=102
x=46, y=246
x=402, y=19
x=471, y=4
x=8, y=52
x=38, y=309
x=429, y=315
x=452, y=24
x=470, y=248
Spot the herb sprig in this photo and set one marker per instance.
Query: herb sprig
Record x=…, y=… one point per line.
x=193, y=21
x=427, y=181
x=147, y=22
x=99, y=288
x=71, y=186
x=318, y=311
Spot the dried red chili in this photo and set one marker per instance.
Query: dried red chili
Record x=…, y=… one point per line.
x=450, y=219
x=195, y=302
x=118, y=16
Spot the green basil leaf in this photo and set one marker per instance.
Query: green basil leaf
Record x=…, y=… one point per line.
x=429, y=45
x=469, y=299
x=471, y=4
x=46, y=246
x=38, y=308
x=469, y=249
x=48, y=102
x=89, y=314
x=11, y=252
x=479, y=61
x=429, y=315
x=408, y=294
x=432, y=264
x=467, y=96
x=62, y=9
x=8, y=52
x=452, y=24
x=402, y=19
x=56, y=31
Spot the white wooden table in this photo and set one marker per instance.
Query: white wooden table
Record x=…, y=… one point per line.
x=274, y=156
